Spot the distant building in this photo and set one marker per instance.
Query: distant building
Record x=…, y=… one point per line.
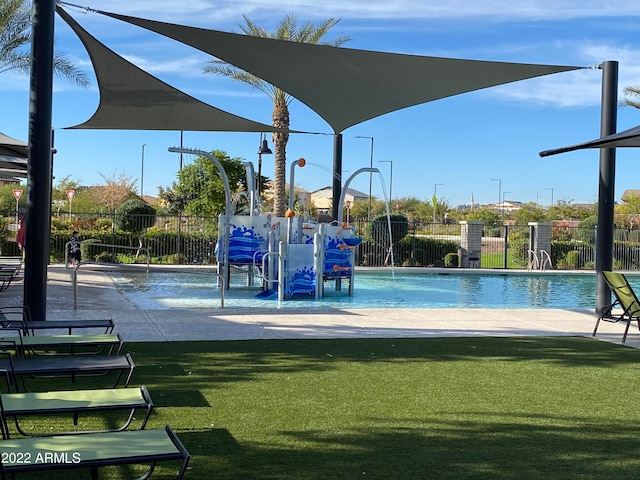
x=506, y=206
x=323, y=198
x=629, y=194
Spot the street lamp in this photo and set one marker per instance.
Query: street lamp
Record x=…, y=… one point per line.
x=263, y=149
x=503, y=196
x=370, y=174
x=142, y=172
x=499, y=180
x=550, y=188
x=390, y=162
x=435, y=199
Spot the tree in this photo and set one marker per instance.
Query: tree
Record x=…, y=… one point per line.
x=15, y=40
x=115, y=190
x=530, y=212
x=199, y=189
x=289, y=30
x=564, y=210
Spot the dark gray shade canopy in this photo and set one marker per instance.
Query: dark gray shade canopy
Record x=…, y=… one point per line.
x=13, y=157
x=131, y=99
x=626, y=138
x=346, y=86
x=10, y=147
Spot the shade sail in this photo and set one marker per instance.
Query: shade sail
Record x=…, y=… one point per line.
x=346, y=86
x=10, y=147
x=626, y=138
x=131, y=99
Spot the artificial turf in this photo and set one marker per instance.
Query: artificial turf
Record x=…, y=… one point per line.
x=438, y=408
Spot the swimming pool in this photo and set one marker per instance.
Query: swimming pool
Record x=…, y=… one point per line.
x=165, y=290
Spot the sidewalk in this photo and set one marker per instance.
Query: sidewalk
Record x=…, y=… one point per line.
x=98, y=298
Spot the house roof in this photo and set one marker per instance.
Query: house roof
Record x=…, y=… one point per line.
x=629, y=194
x=328, y=192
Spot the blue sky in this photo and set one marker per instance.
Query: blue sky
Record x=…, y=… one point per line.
x=460, y=143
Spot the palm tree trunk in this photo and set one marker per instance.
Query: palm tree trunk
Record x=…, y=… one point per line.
x=280, y=118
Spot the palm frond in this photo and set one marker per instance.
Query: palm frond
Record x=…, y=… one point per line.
x=218, y=67
x=15, y=40
x=631, y=91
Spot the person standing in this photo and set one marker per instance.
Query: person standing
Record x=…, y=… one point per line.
x=74, y=249
x=21, y=235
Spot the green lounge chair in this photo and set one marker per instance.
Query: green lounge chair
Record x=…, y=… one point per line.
x=17, y=368
x=20, y=317
x=626, y=299
x=75, y=402
x=72, y=344
x=7, y=274
x=94, y=450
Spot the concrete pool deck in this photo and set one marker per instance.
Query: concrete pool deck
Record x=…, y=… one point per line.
x=99, y=298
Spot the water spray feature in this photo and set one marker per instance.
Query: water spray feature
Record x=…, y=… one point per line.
x=288, y=258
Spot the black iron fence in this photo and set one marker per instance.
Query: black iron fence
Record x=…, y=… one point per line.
x=192, y=240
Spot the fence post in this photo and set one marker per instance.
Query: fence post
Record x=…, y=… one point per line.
x=470, y=243
x=506, y=247
x=540, y=239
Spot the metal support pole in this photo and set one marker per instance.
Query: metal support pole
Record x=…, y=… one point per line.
x=606, y=191
x=39, y=170
x=337, y=176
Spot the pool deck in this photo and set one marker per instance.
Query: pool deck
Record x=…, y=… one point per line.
x=98, y=298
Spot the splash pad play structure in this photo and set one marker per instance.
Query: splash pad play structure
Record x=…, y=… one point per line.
x=288, y=257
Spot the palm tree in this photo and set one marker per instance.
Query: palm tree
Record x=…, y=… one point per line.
x=629, y=93
x=286, y=30
x=15, y=36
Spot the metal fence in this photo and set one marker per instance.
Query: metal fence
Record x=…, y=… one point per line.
x=191, y=240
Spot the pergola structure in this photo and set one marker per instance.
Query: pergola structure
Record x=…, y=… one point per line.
x=344, y=86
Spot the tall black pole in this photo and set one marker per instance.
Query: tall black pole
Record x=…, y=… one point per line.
x=337, y=176
x=606, y=191
x=39, y=170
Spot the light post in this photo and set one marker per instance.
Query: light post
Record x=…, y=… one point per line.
x=347, y=205
x=551, y=188
x=142, y=172
x=435, y=199
x=390, y=162
x=263, y=149
x=503, y=196
x=499, y=180
x=370, y=175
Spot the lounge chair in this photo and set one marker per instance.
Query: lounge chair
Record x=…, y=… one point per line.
x=15, y=367
x=626, y=299
x=7, y=274
x=20, y=316
x=74, y=402
x=103, y=343
x=94, y=450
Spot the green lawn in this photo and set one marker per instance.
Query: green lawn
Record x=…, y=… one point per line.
x=442, y=408
x=496, y=260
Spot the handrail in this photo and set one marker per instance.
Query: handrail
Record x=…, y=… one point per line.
x=74, y=281
x=66, y=252
x=533, y=263
x=545, y=261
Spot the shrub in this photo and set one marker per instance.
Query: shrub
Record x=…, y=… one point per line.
x=107, y=257
x=573, y=259
x=134, y=216
x=451, y=260
x=380, y=228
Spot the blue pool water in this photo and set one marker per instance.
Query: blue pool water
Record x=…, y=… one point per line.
x=163, y=290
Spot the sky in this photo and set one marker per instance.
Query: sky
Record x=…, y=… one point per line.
x=482, y=145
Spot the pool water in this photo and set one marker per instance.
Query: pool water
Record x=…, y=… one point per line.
x=163, y=290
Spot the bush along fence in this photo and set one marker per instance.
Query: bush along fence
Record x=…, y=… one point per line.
x=172, y=239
